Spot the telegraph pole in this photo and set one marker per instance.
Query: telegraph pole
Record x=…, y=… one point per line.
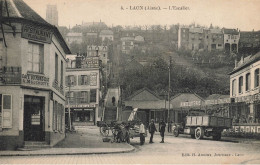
x=169, y=89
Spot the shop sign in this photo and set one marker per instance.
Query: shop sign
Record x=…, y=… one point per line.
x=82, y=106
x=190, y=103
x=93, y=79
x=91, y=62
x=36, y=33
x=244, y=129
x=249, y=98
x=35, y=79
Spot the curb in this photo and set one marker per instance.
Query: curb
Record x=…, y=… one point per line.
x=21, y=153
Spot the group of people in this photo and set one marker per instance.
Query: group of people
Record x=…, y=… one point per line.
x=152, y=129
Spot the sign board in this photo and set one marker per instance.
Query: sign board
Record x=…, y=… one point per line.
x=93, y=79
x=82, y=106
x=245, y=129
x=35, y=80
x=91, y=62
x=36, y=33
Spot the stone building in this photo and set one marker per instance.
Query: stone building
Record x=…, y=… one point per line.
x=231, y=40
x=32, y=78
x=83, y=86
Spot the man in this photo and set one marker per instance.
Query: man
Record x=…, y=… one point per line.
x=142, y=132
x=152, y=129
x=162, y=126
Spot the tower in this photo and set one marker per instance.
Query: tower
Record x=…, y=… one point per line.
x=52, y=14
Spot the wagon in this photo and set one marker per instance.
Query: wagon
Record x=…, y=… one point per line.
x=204, y=125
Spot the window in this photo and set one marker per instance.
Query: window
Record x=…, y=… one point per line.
x=240, y=84
x=71, y=80
x=104, y=55
x=234, y=87
x=219, y=45
x=61, y=73
x=93, y=93
x=56, y=67
x=248, y=81
x=6, y=111
x=35, y=57
x=228, y=36
x=256, y=78
x=83, y=80
x=84, y=97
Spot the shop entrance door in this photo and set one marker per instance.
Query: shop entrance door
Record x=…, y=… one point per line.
x=34, y=118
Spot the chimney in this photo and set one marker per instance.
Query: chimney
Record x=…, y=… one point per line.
x=78, y=61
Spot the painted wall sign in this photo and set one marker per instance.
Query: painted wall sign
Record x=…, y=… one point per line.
x=36, y=33
x=91, y=62
x=93, y=79
x=244, y=129
x=35, y=80
x=82, y=106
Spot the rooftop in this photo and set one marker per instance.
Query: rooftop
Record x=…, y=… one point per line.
x=230, y=31
x=106, y=32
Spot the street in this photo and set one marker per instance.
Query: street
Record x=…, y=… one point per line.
x=182, y=149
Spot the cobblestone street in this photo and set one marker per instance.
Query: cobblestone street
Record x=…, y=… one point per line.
x=182, y=149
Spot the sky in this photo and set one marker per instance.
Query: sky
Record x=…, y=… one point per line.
x=241, y=14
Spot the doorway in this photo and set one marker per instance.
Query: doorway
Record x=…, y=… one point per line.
x=34, y=118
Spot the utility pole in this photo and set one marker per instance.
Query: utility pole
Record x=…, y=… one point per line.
x=69, y=106
x=169, y=89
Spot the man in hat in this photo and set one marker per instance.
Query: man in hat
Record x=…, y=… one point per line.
x=152, y=129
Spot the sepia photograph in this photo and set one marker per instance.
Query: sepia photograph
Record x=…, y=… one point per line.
x=129, y=82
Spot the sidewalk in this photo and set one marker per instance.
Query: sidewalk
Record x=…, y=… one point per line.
x=86, y=140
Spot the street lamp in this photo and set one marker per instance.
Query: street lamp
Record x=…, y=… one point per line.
x=169, y=89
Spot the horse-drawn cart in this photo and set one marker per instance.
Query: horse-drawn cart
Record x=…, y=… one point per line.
x=121, y=131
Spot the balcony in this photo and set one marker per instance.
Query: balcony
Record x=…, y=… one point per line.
x=58, y=87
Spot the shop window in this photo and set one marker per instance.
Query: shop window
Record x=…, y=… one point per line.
x=234, y=87
x=93, y=95
x=240, y=84
x=6, y=111
x=54, y=124
x=83, y=80
x=256, y=78
x=248, y=81
x=35, y=58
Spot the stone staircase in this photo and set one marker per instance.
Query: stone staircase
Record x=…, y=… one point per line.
x=34, y=145
x=110, y=113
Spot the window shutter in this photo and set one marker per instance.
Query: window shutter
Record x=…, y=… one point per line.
x=67, y=80
x=75, y=80
x=79, y=79
x=7, y=111
x=88, y=80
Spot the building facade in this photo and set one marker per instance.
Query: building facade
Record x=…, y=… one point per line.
x=196, y=37
x=52, y=14
x=213, y=39
x=231, y=40
x=106, y=35
x=127, y=44
x=244, y=90
x=83, y=90
x=74, y=37
x=32, y=79
x=183, y=38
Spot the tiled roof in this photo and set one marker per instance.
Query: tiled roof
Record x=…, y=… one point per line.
x=196, y=30
x=247, y=62
x=215, y=31
x=230, y=31
x=74, y=35
x=19, y=11
x=106, y=32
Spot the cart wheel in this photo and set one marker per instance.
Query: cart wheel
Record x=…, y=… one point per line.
x=176, y=132
x=104, y=130
x=199, y=133
x=217, y=136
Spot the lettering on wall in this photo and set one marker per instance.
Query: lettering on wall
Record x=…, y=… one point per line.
x=36, y=33
x=35, y=80
x=93, y=79
x=244, y=129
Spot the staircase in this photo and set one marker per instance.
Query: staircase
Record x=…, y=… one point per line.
x=110, y=113
x=34, y=145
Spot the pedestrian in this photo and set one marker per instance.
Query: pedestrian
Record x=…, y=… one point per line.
x=162, y=126
x=142, y=132
x=152, y=129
